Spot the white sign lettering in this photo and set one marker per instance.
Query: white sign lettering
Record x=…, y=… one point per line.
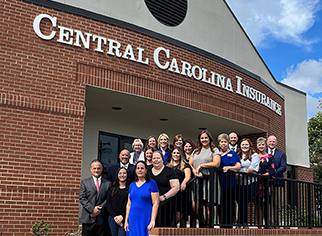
x=161, y=57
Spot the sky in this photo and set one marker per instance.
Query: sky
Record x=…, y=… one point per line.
x=288, y=36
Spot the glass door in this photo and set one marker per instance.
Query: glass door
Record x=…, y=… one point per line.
x=109, y=147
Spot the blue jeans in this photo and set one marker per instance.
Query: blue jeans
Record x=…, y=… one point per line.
x=116, y=230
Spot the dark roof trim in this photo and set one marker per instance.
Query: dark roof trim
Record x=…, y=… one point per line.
x=278, y=82
x=105, y=19
x=291, y=88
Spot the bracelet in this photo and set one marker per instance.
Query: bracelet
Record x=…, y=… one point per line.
x=165, y=197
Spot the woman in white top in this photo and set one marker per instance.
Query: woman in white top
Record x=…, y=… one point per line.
x=137, y=154
x=249, y=161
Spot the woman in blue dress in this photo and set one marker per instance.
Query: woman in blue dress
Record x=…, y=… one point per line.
x=143, y=202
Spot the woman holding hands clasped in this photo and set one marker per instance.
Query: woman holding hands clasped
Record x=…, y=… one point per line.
x=205, y=157
x=247, y=184
x=143, y=203
x=183, y=172
x=168, y=184
x=116, y=202
x=230, y=163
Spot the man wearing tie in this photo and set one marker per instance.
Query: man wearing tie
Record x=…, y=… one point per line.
x=279, y=156
x=92, y=198
x=124, y=157
x=278, y=189
x=233, y=141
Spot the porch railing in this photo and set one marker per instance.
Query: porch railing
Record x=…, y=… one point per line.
x=243, y=200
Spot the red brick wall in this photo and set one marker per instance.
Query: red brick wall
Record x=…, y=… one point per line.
x=304, y=173
x=262, y=232
x=42, y=96
x=40, y=158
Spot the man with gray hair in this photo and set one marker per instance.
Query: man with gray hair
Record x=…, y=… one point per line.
x=279, y=156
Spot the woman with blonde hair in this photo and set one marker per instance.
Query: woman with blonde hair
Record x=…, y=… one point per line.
x=229, y=162
x=266, y=169
x=164, y=147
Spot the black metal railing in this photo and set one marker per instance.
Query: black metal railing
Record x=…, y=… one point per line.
x=243, y=200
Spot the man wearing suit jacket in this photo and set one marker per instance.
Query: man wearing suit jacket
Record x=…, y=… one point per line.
x=124, y=157
x=279, y=156
x=279, y=186
x=92, y=197
x=233, y=141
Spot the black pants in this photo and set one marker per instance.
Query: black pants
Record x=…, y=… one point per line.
x=167, y=213
x=92, y=230
x=245, y=195
x=228, y=206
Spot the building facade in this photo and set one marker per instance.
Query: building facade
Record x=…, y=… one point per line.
x=81, y=79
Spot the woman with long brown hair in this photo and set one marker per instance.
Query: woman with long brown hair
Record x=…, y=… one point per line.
x=188, y=147
x=205, y=156
x=116, y=202
x=183, y=172
x=249, y=161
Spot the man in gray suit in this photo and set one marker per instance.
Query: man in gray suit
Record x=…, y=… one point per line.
x=92, y=197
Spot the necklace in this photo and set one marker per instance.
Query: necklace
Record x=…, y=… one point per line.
x=156, y=172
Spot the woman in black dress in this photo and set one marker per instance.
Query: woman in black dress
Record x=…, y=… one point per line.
x=168, y=184
x=183, y=172
x=117, y=197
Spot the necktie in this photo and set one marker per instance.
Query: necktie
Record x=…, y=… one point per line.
x=136, y=158
x=97, y=185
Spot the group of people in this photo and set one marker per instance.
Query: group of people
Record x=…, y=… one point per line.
x=135, y=191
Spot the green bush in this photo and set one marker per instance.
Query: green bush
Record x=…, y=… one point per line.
x=40, y=228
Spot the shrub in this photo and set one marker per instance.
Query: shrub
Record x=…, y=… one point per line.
x=40, y=228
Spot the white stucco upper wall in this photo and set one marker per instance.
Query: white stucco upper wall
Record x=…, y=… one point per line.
x=297, y=142
x=209, y=25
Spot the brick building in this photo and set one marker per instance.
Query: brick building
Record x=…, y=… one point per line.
x=80, y=80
